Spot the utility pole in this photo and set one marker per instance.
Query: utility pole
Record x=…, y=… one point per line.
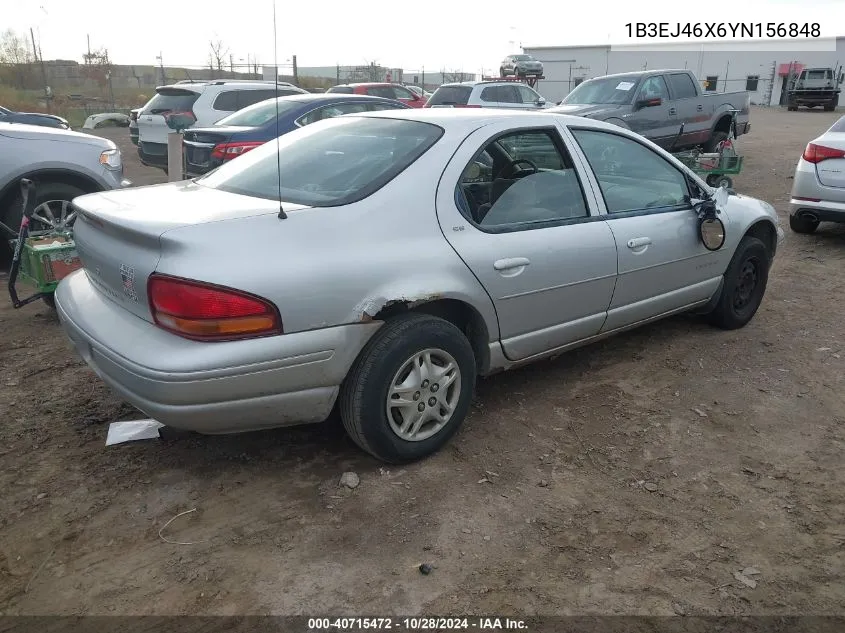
x=231, y=63
x=89, y=46
x=295, y=71
x=36, y=51
x=161, y=62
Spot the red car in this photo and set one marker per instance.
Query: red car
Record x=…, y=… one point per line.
x=386, y=90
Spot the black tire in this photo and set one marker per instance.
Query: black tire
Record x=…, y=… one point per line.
x=44, y=192
x=727, y=181
x=363, y=396
x=830, y=107
x=744, y=285
x=792, y=108
x=502, y=72
x=802, y=225
x=715, y=138
x=711, y=179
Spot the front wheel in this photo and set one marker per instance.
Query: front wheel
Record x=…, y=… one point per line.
x=744, y=285
x=410, y=389
x=719, y=180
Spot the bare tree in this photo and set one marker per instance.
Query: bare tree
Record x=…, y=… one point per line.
x=16, y=57
x=14, y=48
x=219, y=52
x=97, y=66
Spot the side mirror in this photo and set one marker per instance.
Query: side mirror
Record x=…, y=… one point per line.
x=649, y=103
x=711, y=230
x=712, y=233
x=540, y=102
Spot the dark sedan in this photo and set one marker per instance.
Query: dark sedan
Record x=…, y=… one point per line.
x=209, y=147
x=33, y=118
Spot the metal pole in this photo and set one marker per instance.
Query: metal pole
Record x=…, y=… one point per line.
x=43, y=69
x=727, y=67
x=295, y=71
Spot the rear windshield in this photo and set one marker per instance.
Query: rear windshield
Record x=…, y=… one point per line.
x=839, y=126
x=341, y=89
x=450, y=95
x=259, y=113
x=330, y=163
x=817, y=74
x=171, y=100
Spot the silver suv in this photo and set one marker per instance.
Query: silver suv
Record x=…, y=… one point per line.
x=520, y=65
x=63, y=165
x=487, y=94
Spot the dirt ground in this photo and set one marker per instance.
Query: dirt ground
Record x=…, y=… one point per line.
x=634, y=476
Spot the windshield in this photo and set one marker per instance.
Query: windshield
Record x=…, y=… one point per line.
x=522, y=58
x=171, y=100
x=615, y=90
x=450, y=95
x=329, y=163
x=259, y=113
x=4, y=110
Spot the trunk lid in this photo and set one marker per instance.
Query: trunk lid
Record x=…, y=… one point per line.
x=831, y=172
x=121, y=235
x=200, y=142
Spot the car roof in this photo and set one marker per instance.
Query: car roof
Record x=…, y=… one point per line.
x=486, y=82
x=369, y=83
x=473, y=118
x=334, y=96
x=200, y=86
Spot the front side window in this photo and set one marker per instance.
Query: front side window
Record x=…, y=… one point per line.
x=339, y=161
x=654, y=88
x=615, y=90
x=521, y=180
x=631, y=176
x=402, y=93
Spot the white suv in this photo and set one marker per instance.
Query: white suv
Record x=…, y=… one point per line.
x=487, y=94
x=205, y=101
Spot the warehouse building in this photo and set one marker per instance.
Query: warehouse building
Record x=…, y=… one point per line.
x=762, y=67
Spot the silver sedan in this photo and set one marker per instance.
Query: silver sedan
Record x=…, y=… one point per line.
x=818, y=189
x=383, y=261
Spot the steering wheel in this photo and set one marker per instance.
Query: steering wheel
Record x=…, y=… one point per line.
x=516, y=162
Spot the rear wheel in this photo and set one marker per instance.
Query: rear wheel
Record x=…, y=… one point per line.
x=744, y=285
x=713, y=144
x=502, y=71
x=802, y=225
x=830, y=107
x=410, y=389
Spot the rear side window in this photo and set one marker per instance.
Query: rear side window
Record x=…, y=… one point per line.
x=340, y=161
x=171, y=100
x=346, y=90
x=681, y=85
x=385, y=92
x=450, y=95
x=490, y=94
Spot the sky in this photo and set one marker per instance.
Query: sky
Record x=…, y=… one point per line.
x=435, y=34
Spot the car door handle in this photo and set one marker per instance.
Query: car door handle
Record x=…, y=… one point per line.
x=639, y=242
x=700, y=107
x=672, y=111
x=510, y=263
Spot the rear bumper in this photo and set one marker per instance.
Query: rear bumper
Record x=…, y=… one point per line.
x=150, y=154
x=208, y=387
x=826, y=204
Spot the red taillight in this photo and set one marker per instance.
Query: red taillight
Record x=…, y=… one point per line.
x=817, y=153
x=201, y=311
x=228, y=151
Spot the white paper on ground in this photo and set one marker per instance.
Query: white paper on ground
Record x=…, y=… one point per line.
x=132, y=430
x=625, y=85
